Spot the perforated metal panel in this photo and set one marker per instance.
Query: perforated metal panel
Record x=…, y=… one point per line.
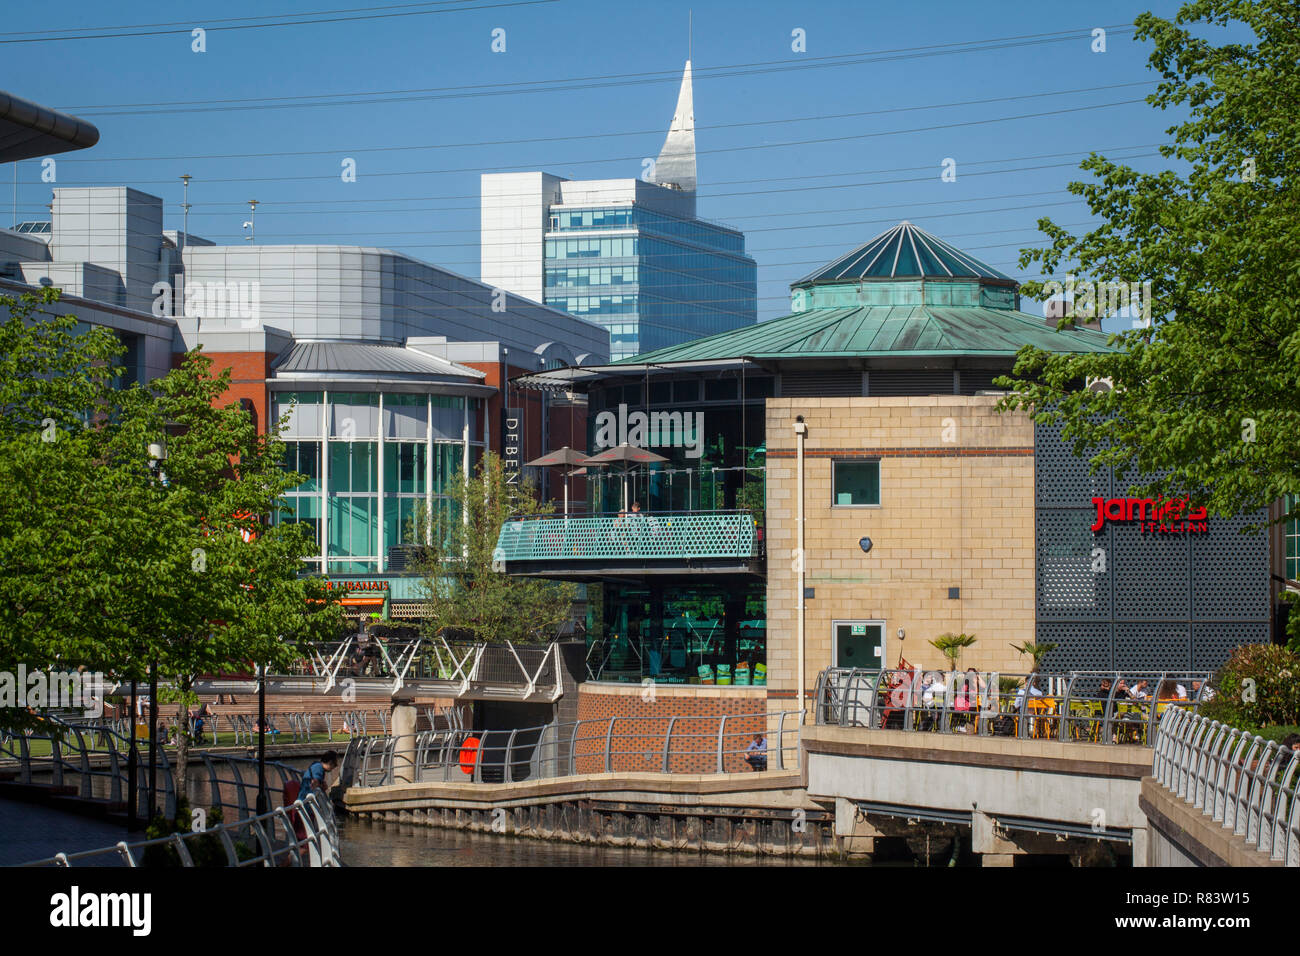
x=1068, y=587
x=1060, y=479
x=1132, y=478
x=1171, y=601
x=1152, y=575
x=1213, y=642
x=1152, y=647
x=1224, y=564
x=1084, y=647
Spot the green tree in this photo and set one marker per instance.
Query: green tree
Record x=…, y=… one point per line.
x=228, y=591
x=1208, y=390
x=70, y=516
x=113, y=565
x=464, y=590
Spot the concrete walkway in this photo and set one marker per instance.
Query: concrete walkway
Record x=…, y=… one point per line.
x=31, y=832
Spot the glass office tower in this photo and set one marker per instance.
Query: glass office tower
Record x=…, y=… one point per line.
x=630, y=254
x=652, y=279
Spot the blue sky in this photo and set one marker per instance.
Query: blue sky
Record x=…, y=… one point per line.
x=799, y=205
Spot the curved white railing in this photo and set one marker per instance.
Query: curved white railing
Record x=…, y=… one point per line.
x=301, y=834
x=1238, y=779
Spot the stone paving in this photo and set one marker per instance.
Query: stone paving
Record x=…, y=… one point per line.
x=31, y=832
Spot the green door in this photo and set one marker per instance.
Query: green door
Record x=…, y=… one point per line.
x=859, y=644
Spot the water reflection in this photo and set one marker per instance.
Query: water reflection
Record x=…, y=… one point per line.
x=366, y=843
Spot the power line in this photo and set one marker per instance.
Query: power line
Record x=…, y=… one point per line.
x=28, y=38
x=568, y=137
x=598, y=81
x=722, y=149
x=802, y=177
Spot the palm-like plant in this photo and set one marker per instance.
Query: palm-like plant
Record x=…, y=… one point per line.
x=1036, y=650
x=951, y=645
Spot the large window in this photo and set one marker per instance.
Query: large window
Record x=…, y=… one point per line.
x=856, y=482
x=405, y=479
x=1292, y=536
x=353, y=506
x=699, y=635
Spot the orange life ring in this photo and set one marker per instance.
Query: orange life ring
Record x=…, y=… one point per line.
x=469, y=754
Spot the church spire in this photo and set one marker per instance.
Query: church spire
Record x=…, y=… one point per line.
x=676, y=163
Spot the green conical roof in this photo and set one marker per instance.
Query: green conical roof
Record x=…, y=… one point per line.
x=904, y=252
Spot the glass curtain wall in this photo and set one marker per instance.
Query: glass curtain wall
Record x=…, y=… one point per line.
x=367, y=469
x=698, y=634
x=714, y=445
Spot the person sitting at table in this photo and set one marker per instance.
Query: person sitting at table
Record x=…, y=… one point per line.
x=1199, y=694
x=1034, y=691
x=1169, y=690
x=932, y=685
x=1140, y=690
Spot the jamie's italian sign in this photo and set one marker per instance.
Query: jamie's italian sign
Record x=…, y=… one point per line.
x=1152, y=515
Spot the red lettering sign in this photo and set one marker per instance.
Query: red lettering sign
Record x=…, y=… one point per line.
x=1153, y=515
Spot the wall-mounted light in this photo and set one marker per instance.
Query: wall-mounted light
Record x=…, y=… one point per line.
x=864, y=544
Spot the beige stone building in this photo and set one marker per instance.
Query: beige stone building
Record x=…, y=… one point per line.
x=952, y=534
x=925, y=509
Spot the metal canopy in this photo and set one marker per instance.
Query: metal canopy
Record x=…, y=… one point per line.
x=28, y=129
x=369, y=359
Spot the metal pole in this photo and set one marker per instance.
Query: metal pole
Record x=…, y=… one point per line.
x=800, y=430
x=263, y=804
x=132, y=759
x=153, y=739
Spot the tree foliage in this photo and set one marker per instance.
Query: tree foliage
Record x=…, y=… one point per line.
x=120, y=563
x=466, y=594
x=1208, y=392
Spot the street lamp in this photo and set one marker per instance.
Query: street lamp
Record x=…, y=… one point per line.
x=157, y=455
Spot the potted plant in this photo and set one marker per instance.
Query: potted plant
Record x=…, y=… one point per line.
x=951, y=645
x=1036, y=650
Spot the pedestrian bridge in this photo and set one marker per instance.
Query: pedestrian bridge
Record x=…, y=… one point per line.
x=428, y=668
x=1037, y=775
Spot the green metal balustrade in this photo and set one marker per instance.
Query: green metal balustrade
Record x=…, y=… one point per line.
x=640, y=536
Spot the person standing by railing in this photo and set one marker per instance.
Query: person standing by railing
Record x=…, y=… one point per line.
x=313, y=778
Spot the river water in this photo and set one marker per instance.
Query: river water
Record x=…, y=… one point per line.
x=366, y=843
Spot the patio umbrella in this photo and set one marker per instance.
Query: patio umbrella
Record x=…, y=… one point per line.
x=564, y=457
x=628, y=455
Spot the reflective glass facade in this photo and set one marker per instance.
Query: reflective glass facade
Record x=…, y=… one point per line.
x=1291, y=536
x=698, y=634
x=653, y=280
x=370, y=463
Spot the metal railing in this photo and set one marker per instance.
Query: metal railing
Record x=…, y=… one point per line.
x=679, y=744
x=531, y=668
x=87, y=753
x=1084, y=706
x=669, y=534
x=1237, y=779
x=302, y=834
